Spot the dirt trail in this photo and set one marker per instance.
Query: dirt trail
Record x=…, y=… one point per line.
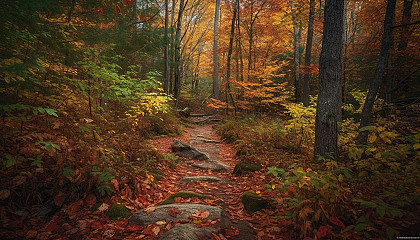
x=205, y=139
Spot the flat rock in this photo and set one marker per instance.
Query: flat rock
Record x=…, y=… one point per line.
x=200, y=179
x=184, y=150
x=188, y=232
x=159, y=213
x=212, y=165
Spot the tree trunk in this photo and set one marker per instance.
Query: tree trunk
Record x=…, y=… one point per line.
x=232, y=35
x=380, y=69
x=215, y=59
x=308, y=52
x=166, y=67
x=177, y=82
x=296, y=54
x=328, y=110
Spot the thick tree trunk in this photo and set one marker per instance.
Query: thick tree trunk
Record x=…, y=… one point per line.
x=380, y=69
x=215, y=58
x=308, y=52
x=296, y=54
x=166, y=55
x=178, y=65
x=328, y=111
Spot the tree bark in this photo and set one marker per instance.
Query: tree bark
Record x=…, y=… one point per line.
x=166, y=67
x=308, y=51
x=380, y=69
x=328, y=111
x=296, y=54
x=177, y=81
x=232, y=35
x=215, y=58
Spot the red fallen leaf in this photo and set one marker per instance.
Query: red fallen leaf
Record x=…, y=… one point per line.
x=291, y=189
x=59, y=199
x=323, y=231
x=133, y=228
x=117, y=9
x=127, y=2
x=143, y=201
x=100, y=11
x=334, y=220
x=231, y=233
x=174, y=212
x=90, y=199
x=96, y=225
x=52, y=227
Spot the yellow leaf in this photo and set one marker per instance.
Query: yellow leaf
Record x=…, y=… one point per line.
x=416, y=146
x=372, y=138
x=340, y=178
x=377, y=156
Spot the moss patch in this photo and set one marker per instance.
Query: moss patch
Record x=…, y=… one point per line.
x=254, y=202
x=185, y=195
x=118, y=211
x=242, y=167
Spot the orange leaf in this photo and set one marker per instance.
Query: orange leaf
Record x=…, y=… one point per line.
x=96, y=225
x=90, y=199
x=59, y=199
x=133, y=228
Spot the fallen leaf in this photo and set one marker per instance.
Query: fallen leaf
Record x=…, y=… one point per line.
x=96, y=225
x=160, y=223
x=334, y=220
x=18, y=180
x=174, y=212
x=134, y=227
x=59, y=199
x=31, y=234
x=90, y=200
x=323, y=231
x=109, y=233
x=103, y=207
x=4, y=193
x=156, y=230
x=115, y=184
x=149, y=210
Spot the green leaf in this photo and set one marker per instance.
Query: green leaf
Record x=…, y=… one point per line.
x=367, y=128
x=51, y=112
x=364, y=203
x=67, y=171
x=396, y=212
x=390, y=232
x=381, y=211
x=359, y=227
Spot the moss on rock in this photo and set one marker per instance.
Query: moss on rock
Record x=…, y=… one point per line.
x=242, y=167
x=118, y=211
x=254, y=202
x=185, y=194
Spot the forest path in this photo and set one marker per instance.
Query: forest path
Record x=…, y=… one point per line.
x=193, y=176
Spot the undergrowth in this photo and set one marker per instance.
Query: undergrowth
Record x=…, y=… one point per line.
x=329, y=198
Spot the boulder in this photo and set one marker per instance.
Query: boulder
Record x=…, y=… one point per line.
x=200, y=179
x=184, y=211
x=184, y=150
x=212, y=165
x=242, y=167
x=188, y=232
x=254, y=202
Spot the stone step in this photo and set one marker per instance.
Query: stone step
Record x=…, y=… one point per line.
x=201, y=179
x=212, y=165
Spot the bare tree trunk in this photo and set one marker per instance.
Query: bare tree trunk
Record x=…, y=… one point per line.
x=215, y=59
x=166, y=67
x=308, y=51
x=178, y=64
x=328, y=111
x=232, y=35
x=380, y=69
x=296, y=54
